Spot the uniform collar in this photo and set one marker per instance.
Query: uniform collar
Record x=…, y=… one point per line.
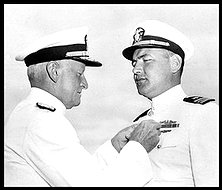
x=42, y=96
x=171, y=97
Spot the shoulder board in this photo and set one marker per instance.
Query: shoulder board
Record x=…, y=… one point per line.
x=141, y=115
x=45, y=106
x=198, y=100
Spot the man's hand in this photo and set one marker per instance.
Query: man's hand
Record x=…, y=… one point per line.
x=122, y=137
x=147, y=134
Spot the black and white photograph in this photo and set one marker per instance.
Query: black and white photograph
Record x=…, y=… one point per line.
x=111, y=95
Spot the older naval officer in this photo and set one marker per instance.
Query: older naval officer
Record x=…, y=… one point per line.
x=42, y=147
x=187, y=153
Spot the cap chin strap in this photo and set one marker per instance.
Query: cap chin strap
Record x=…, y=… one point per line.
x=77, y=54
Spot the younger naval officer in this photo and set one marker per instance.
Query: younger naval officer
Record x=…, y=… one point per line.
x=42, y=147
x=188, y=151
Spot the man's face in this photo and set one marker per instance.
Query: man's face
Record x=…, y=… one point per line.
x=71, y=82
x=151, y=68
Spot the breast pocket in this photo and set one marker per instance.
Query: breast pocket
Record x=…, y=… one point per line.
x=169, y=145
x=170, y=140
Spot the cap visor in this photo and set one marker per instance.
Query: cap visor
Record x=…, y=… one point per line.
x=89, y=63
x=128, y=52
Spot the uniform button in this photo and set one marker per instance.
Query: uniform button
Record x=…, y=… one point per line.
x=158, y=146
x=150, y=113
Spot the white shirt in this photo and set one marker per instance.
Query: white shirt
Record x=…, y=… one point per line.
x=43, y=149
x=189, y=154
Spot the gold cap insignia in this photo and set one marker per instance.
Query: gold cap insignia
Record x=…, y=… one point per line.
x=139, y=33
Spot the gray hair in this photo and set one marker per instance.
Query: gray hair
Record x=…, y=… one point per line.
x=36, y=73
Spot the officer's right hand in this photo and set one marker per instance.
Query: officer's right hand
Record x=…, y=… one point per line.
x=147, y=134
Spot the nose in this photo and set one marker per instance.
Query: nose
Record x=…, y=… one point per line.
x=84, y=83
x=138, y=68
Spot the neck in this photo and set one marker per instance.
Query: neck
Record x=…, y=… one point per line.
x=48, y=88
x=166, y=88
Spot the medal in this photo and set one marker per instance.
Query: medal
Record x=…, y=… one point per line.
x=168, y=125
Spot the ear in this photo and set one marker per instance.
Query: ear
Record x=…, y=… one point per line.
x=175, y=64
x=52, y=70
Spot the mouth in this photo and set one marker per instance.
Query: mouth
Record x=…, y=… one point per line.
x=139, y=80
x=79, y=92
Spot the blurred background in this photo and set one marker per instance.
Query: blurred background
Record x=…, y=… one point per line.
x=111, y=102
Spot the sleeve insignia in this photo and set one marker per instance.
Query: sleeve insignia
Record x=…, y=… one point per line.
x=45, y=106
x=198, y=100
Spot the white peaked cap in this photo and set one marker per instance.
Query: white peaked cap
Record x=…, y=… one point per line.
x=65, y=44
x=154, y=33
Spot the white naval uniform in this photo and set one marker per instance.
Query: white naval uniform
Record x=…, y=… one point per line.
x=43, y=149
x=189, y=154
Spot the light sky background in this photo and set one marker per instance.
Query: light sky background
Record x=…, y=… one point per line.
x=111, y=102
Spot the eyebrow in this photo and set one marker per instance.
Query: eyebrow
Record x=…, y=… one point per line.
x=141, y=56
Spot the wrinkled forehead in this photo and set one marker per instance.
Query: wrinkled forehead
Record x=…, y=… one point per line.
x=138, y=53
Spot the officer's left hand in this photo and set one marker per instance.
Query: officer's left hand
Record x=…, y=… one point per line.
x=122, y=137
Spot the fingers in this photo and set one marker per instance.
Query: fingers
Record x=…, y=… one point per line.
x=153, y=126
x=158, y=127
x=158, y=132
x=150, y=124
x=129, y=131
x=127, y=137
x=132, y=127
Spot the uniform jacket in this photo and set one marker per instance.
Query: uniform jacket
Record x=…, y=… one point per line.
x=42, y=149
x=188, y=155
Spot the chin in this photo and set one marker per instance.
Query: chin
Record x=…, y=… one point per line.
x=72, y=105
x=77, y=103
x=144, y=93
x=141, y=91
x=69, y=107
